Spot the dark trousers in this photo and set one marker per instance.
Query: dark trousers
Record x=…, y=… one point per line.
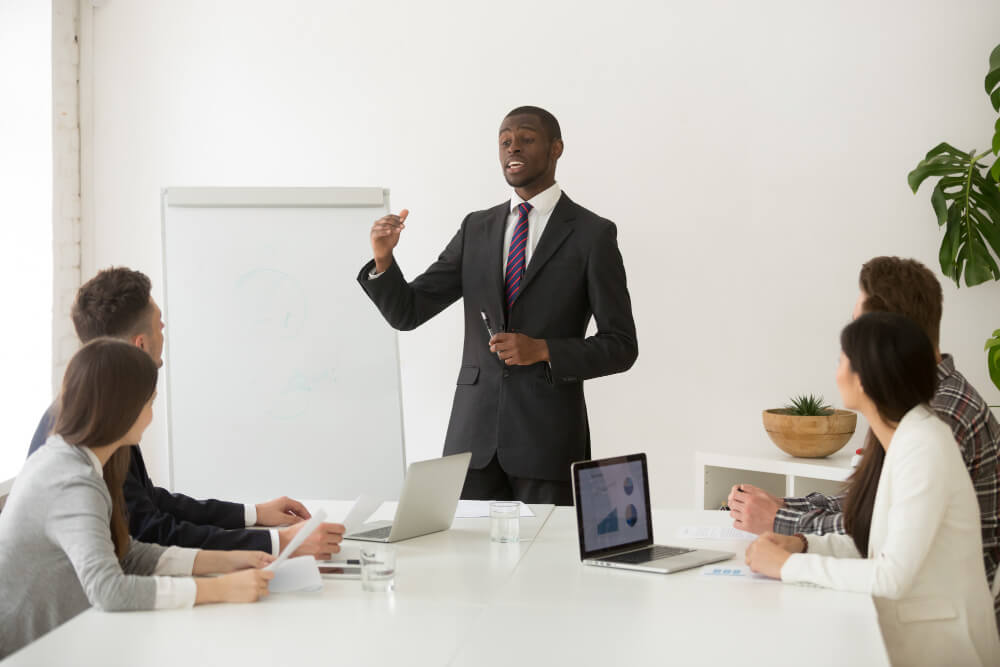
x=492, y=483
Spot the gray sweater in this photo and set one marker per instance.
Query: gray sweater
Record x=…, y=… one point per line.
x=56, y=554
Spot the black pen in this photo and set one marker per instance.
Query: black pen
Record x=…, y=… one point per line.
x=486, y=321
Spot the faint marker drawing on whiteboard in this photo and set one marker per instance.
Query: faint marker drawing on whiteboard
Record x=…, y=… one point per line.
x=290, y=400
x=270, y=302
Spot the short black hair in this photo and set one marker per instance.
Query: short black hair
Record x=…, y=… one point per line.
x=548, y=121
x=112, y=303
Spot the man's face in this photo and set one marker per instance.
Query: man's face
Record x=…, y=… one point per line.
x=152, y=342
x=527, y=156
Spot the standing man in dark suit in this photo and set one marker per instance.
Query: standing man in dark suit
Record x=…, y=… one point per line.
x=538, y=266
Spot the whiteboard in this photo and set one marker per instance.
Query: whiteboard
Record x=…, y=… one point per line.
x=282, y=377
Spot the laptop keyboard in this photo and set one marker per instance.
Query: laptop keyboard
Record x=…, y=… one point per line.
x=647, y=554
x=376, y=533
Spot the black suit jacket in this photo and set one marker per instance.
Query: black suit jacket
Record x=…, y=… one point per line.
x=173, y=519
x=533, y=417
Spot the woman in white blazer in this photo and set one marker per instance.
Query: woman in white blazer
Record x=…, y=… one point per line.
x=910, y=508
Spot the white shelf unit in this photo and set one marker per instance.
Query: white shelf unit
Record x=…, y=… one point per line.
x=772, y=470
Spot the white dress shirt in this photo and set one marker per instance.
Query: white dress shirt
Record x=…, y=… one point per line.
x=250, y=519
x=541, y=210
x=172, y=591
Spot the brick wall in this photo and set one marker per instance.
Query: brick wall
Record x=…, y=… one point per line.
x=66, y=180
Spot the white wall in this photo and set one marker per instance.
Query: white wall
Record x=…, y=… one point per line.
x=753, y=154
x=25, y=224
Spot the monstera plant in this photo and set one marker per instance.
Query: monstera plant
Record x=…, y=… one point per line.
x=993, y=357
x=966, y=201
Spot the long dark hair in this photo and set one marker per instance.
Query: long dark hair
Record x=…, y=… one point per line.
x=895, y=362
x=107, y=384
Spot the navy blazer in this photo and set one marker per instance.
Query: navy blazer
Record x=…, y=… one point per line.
x=533, y=418
x=173, y=519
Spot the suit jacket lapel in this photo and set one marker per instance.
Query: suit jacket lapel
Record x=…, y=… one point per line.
x=557, y=230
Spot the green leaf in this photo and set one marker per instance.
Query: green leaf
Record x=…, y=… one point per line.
x=949, y=248
x=995, y=171
x=996, y=139
x=993, y=357
x=981, y=255
x=988, y=234
x=993, y=79
x=939, y=204
x=988, y=198
x=992, y=82
x=960, y=261
x=939, y=165
x=808, y=406
x=976, y=273
x=966, y=202
x=993, y=364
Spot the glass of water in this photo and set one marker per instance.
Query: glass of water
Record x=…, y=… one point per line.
x=378, y=568
x=505, y=521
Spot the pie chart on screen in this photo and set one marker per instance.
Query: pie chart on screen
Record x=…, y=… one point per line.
x=631, y=515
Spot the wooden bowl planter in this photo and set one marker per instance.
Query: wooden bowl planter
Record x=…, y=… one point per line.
x=810, y=437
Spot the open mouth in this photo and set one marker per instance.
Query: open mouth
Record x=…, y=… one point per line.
x=514, y=166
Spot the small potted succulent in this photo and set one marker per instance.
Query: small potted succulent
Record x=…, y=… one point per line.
x=809, y=428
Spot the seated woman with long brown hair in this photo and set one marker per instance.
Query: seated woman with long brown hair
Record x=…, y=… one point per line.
x=914, y=541
x=64, y=542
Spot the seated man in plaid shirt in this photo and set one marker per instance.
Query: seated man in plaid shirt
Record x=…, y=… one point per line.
x=908, y=287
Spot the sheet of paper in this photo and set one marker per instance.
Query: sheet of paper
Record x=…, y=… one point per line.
x=713, y=533
x=475, y=509
x=363, y=508
x=731, y=571
x=310, y=526
x=296, y=574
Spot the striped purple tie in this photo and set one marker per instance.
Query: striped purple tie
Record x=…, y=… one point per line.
x=515, y=256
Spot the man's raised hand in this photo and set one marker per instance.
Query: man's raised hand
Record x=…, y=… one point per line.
x=384, y=237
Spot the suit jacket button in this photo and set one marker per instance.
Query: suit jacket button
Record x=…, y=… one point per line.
x=506, y=373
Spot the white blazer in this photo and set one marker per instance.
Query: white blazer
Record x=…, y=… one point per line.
x=925, y=553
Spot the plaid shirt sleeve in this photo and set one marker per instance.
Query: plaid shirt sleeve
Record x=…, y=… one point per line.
x=816, y=513
x=978, y=436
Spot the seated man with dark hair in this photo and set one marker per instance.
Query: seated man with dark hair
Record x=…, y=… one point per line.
x=907, y=287
x=117, y=303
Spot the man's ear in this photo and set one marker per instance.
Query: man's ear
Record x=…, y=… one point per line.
x=141, y=342
x=557, y=149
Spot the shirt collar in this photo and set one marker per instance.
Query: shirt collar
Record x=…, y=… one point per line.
x=946, y=367
x=88, y=452
x=96, y=462
x=543, y=202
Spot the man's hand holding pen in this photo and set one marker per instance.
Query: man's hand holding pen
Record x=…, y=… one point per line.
x=516, y=349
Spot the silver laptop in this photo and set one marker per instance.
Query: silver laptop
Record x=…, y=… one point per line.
x=427, y=503
x=615, y=524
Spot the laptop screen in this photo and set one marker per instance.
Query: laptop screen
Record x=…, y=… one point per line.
x=612, y=504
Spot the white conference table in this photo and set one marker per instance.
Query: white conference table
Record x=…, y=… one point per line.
x=462, y=600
